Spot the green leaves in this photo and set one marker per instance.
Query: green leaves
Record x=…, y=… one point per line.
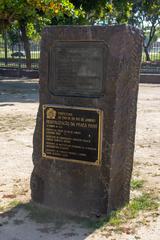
x=27, y=9
x=35, y=14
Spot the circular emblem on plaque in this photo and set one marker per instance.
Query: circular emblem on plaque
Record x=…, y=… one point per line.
x=51, y=113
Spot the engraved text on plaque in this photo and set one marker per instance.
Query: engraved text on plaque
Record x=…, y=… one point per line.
x=72, y=134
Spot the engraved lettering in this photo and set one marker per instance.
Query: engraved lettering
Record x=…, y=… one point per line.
x=71, y=133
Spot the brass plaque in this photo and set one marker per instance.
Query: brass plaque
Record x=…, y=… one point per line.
x=77, y=68
x=72, y=134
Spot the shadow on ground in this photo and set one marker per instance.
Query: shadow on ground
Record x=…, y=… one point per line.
x=32, y=221
x=19, y=90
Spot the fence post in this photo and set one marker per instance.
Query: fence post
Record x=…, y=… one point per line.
x=19, y=57
x=5, y=47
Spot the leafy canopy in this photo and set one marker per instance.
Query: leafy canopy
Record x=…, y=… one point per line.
x=30, y=10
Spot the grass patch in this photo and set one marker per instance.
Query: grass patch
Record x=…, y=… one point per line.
x=137, y=184
x=2, y=208
x=154, y=56
x=13, y=204
x=145, y=202
x=9, y=210
x=10, y=205
x=40, y=214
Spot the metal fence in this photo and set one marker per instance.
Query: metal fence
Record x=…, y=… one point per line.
x=153, y=64
x=154, y=53
x=13, y=55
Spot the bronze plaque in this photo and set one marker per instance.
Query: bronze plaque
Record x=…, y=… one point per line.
x=77, y=68
x=72, y=134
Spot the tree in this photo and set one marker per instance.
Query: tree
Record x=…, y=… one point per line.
x=146, y=15
x=26, y=12
x=32, y=15
x=108, y=11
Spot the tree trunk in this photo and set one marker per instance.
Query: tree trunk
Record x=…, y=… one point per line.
x=151, y=35
x=147, y=54
x=26, y=45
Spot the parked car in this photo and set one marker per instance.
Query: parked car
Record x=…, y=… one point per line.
x=17, y=54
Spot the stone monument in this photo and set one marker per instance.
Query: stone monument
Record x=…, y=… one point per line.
x=85, y=129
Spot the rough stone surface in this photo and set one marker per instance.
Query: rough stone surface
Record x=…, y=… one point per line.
x=82, y=189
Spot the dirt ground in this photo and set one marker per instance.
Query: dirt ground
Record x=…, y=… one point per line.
x=18, y=108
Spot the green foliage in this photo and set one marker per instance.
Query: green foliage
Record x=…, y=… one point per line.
x=29, y=9
x=78, y=11
x=13, y=35
x=145, y=202
x=89, y=5
x=11, y=205
x=136, y=184
x=122, y=11
x=145, y=12
x=146, y=15
x=36, y=13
